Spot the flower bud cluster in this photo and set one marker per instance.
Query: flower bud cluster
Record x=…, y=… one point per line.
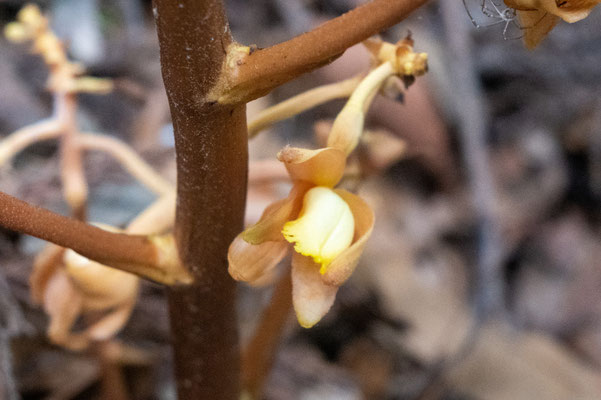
x=404, y=60
x=31, y=25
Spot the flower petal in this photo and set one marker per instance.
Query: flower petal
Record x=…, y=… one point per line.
x=539, y=24
x=325, y=226
x=269, y=227
x=110, y=324
x=311, y=297
x=45, y=265
x=570, y=10
x=573, y=10
x=322, y=167
x=251, y=263
x=102, y=287
x=63, y=303
x=343, y=266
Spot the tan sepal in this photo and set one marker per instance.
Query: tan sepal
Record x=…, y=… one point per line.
x=102, y=287
x=322, y=167
x=45, y=264
x=254, y=263
x=383, y=148
x=341, y=268
x=570, y=10
x=538, y=24
x=269, y=227
x=373, y=46
x=575, y=10
x=63, y=303
x=311, y=297
x=59, y=293
x=110, y=324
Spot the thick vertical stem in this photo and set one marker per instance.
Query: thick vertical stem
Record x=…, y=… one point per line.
x=211, y=147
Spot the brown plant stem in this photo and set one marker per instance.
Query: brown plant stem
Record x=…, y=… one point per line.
x=259, y=355
x=113, y=385
x=265, y=69
x=211, y=147
x=131, y=253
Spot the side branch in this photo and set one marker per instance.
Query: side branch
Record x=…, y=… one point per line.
x=263, y=70
x=151, y=257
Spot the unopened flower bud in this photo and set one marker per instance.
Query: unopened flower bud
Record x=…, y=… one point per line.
x=102, y=285
x=16, y=32
x=88, y=84
x=32, y=16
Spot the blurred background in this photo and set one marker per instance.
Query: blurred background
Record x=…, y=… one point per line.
x=482, y=279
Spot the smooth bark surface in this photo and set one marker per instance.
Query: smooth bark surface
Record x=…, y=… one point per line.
x=130, y=253
x=266, y=69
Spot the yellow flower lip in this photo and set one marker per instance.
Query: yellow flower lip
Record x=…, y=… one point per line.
x=325, y=226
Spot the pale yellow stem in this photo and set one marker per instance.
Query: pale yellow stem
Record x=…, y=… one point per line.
x=156, y=218
x=348, y=125
x=133, y=163
x=75, y=186
x=26, y=136
x=302, y=102
x=368, y=87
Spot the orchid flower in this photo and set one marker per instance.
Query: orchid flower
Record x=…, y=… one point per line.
x=539, y=17
x=568, y=10
x=83, y=288
x=328, y=227
x=71, y=286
